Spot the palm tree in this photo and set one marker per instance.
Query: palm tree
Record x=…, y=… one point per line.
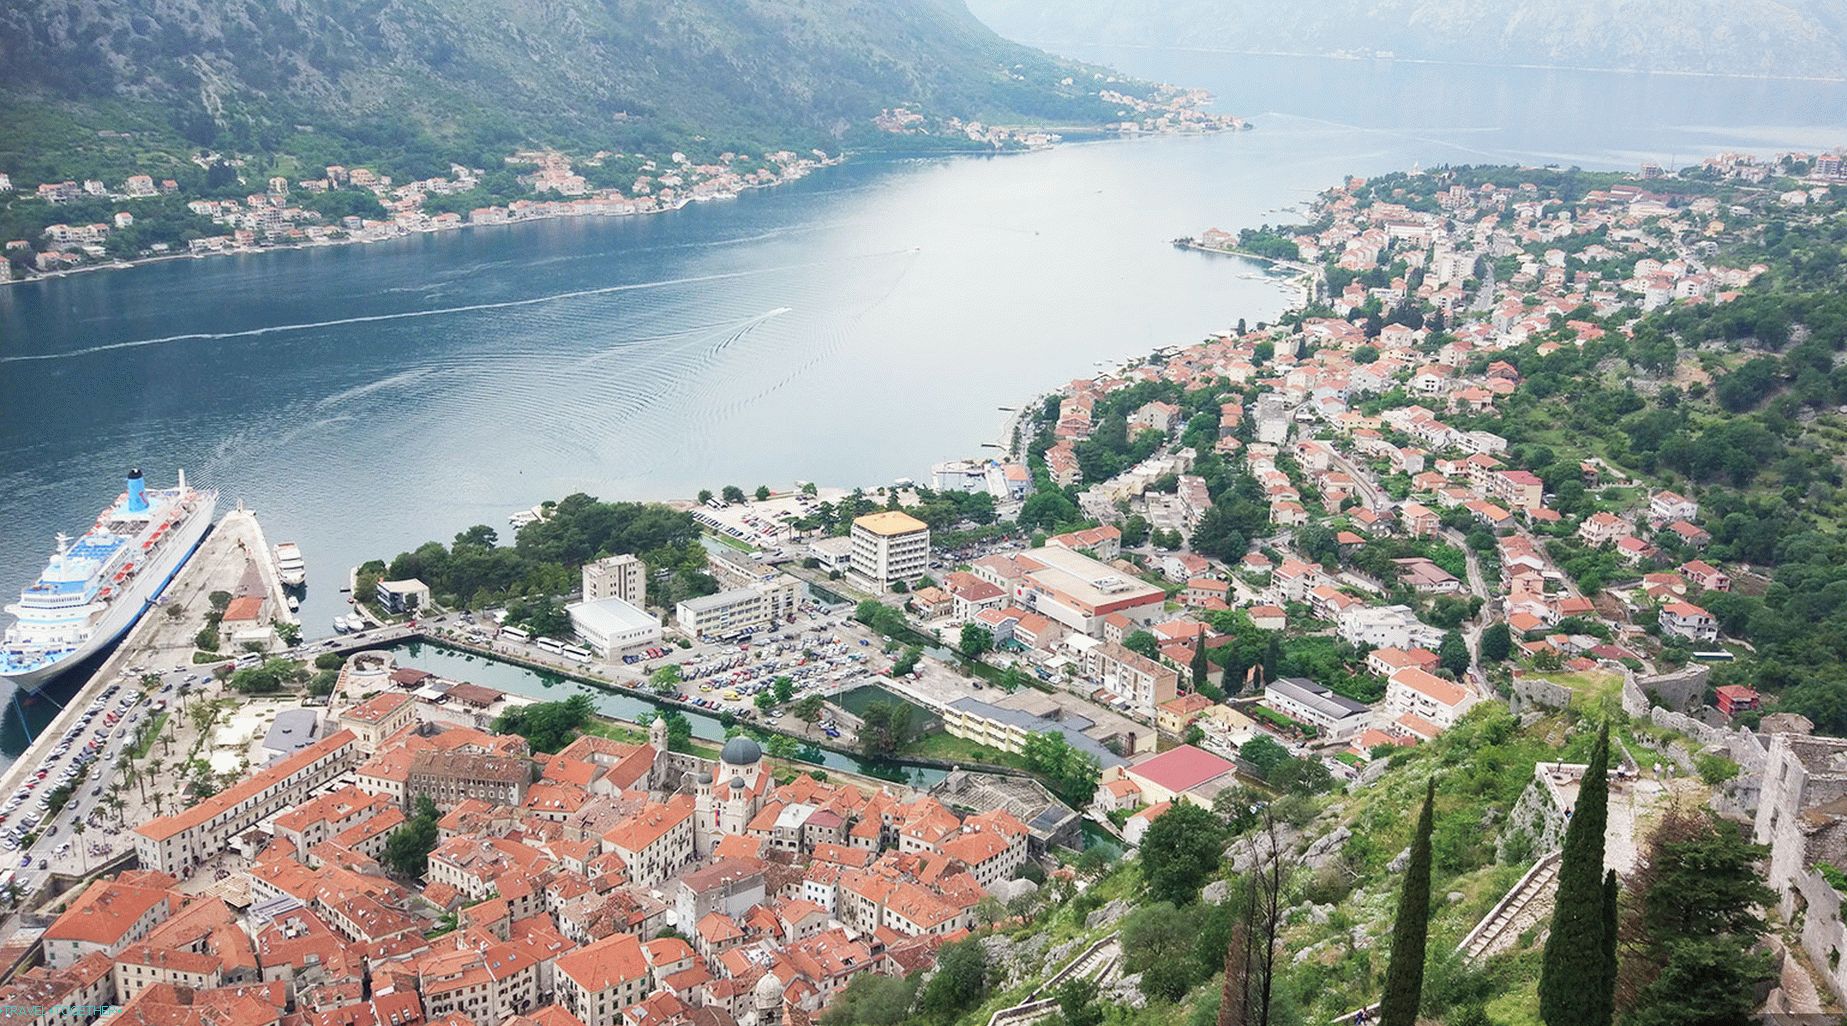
x=153, y=770
x=83, y=851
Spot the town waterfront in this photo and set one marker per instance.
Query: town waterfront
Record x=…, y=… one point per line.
x=851, y=328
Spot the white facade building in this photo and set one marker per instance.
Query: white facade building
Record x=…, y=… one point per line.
x=623, y=577
x=888, y=547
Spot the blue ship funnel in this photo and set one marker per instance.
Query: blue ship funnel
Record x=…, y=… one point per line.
x=137, y=492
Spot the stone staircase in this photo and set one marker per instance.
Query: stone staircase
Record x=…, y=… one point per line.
x=1524, y=906
x=1099, y=962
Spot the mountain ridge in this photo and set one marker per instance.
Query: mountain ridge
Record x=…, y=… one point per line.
x=476, y=76
x=1776, y=38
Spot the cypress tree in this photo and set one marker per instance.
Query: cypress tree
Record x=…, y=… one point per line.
x=1606, y=1011
x=1233, y=680
x=1200, y=666
x=1571, y=990
x=1404, y=976
x=1272, y=654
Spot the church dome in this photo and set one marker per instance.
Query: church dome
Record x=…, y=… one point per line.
x=741, y=751
x=737, y=783
x=705, y=777
x=769, y=990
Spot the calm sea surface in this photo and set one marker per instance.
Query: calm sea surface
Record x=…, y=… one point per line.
x=849, y=329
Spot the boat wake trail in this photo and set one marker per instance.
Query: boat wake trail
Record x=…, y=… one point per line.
x=507, y=304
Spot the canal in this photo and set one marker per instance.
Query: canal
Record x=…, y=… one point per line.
x=514, y=679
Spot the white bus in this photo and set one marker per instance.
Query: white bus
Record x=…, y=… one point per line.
x=577, y=653
x=515, y=633
x=551, y=645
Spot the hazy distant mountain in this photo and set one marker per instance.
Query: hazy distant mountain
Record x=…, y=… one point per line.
x=498, y=71
x=1768, y=37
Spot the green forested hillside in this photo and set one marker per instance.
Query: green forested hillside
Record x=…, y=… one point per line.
x=428, y=81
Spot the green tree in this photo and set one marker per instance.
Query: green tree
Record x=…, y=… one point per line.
x=1573, y=961
x=975, y=640
x=547, y=726
x=1077, y=1002
x=961, y=980
x=1232, y=680
x=784, y=688
x=408, y=848
x=666, y=679
x=764, y=701
x=679, y=731
x=1160, y=941
x=1142, y=642
x=1180, y=851
x=1691, y=930
x=885, y=729
x=1272, y=655
x=1404, y=975
x=763, y=492
x=1606, y=980
x=1134, y=531
x=873, y=999
x=809, y=707
x=906, y=661
x=1200, y=668
x=1496, y=643
x=732, y=493
x=1453, y=654
x=1071, y=774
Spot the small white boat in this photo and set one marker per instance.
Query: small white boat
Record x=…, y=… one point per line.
x=340, y=625
x=294, y=604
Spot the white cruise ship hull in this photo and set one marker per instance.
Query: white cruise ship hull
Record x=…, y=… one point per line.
x=127, y=609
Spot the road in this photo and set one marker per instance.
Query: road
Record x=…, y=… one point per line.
x=1471, y=633
x=1370, y=493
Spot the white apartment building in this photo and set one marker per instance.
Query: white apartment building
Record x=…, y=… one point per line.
x=1427, y=696
x=887, y=547
x=624, y=577
x=1386, y=627
x=739, y=611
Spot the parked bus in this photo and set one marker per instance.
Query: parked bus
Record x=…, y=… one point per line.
x=552, y=645
x=515, y=633
x=577, y=653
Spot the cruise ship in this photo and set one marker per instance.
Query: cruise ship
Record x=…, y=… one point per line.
x=96, y=587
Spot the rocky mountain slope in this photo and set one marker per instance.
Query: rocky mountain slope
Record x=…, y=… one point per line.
x=245, y=73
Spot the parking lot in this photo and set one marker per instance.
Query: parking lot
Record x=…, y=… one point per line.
x=823, y=651
x=84, y=760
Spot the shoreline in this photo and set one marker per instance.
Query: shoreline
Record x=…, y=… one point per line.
x=406, y=233
x=1302, y=276
x=1093, y=135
